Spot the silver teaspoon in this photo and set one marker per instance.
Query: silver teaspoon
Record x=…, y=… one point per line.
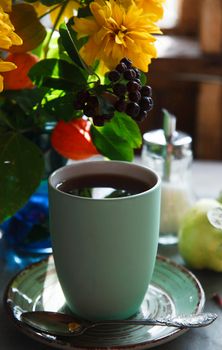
x=67, y=325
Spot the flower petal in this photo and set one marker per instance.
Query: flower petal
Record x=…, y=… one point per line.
x=115, y=24
x=6, y=66
x=1, y=83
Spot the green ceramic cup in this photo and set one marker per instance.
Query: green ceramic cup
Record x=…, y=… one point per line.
x=104, y=249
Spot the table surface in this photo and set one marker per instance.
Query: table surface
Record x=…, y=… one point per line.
x=207, y=182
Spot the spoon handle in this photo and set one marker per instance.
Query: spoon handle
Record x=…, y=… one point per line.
x=181, y=321
x=66, y=325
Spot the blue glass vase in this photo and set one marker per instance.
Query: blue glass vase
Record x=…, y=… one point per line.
x=27, y=230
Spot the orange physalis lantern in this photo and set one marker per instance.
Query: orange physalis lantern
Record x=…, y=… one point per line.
x=72, y=139
x=18, y=79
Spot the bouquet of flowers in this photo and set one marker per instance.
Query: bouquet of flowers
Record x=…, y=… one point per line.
x=78, y=67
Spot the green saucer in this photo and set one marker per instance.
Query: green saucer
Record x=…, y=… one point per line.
x=173, y=291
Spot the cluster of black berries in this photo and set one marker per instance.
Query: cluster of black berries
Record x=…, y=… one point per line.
x=133, y=98
x=124, y=94
x=88, y=101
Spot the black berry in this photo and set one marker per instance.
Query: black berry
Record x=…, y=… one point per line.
x=114, y=75
x=146, y=91
x=89, y=111
x=126, y=61
x=119, y=89
x=138, y=74
x=132, y=109
x=133, y=85
x=81, y=98
x=134, y=96
x=141, y=116
x=120, y=105
x=146, y=103
x=129, y=74
x=98, y=120
x=121, y=67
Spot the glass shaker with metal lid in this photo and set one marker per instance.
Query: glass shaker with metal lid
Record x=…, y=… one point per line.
x=169, y=153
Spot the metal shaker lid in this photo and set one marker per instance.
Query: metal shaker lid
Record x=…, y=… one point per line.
x=155, y=142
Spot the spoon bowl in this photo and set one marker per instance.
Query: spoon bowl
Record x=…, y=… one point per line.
x=67, y=325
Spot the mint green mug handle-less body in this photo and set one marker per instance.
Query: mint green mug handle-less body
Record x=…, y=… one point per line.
x=104, y=249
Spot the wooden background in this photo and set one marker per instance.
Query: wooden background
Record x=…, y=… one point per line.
x=187, y=76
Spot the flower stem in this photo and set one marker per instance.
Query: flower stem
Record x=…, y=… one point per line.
x=46, y=48
x=50, y=11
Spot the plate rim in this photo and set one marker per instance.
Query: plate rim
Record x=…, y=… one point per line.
x=60, y=343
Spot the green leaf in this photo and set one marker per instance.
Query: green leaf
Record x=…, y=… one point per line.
x=143, y=78
x=21, y=170
x=62, y=52
x=42, y=69
x=21, y=109
x=126, y=128
x=52, y=68
x=110, y=144
x=27, y=99
x=71, y=45
x=62, y=107
x=59, y=84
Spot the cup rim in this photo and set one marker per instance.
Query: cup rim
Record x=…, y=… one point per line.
x=115, y=163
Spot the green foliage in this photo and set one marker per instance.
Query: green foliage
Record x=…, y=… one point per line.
x=21, y=110
x=125, y=127
x=72, y=45
x=21, y=170
x=62, y=107
x=57, y=74
x=116, y=144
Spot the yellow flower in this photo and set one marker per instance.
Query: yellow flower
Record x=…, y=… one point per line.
x=154, y=8
x=7, y=38
x=114, y=32
x=68, y=12
x=5, y=67
x=7, y=35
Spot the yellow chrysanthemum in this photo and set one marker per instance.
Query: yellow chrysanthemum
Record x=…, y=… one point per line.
x=7, y=35
x=7, y=38
x=115, y=32
x=69, y=10
x=153, y=8
x=5, y=67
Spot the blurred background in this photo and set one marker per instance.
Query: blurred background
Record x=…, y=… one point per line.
x=187, y=76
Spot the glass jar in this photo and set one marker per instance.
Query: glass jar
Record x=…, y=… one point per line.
x=176, y=193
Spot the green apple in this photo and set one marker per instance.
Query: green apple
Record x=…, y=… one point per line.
x=200, y=235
